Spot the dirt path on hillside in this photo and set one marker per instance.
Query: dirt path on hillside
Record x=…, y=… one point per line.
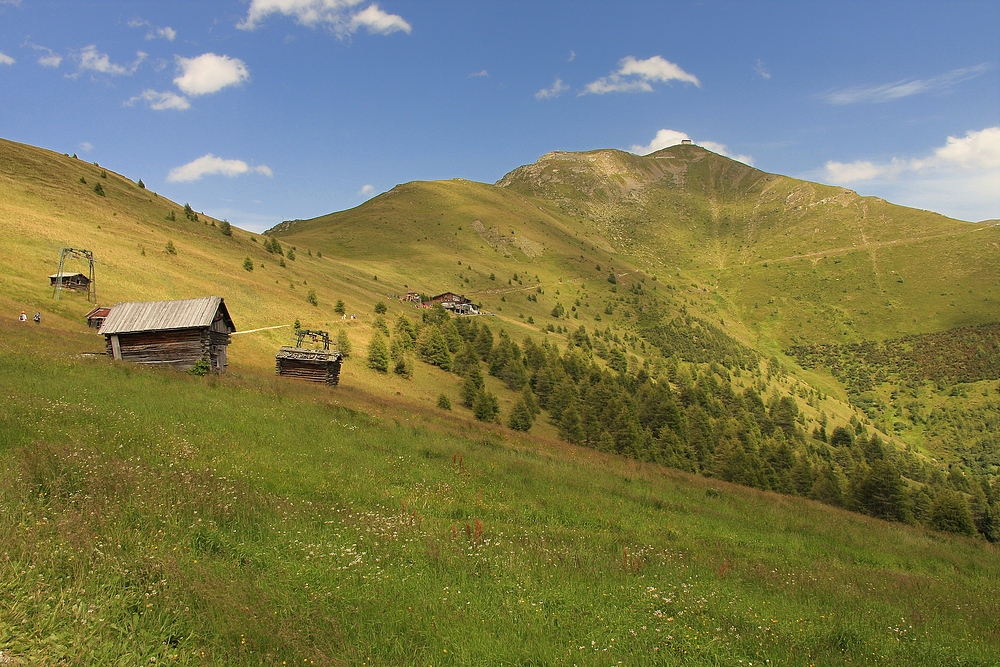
x=820, y=254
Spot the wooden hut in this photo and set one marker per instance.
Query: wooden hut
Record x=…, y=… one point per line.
x=173, y=333
x=76, y=281
x=95, y=318
x=305, y=364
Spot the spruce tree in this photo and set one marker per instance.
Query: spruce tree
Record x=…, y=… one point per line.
x=378, y=353
x=486, y=407
x=344, y=343
x=521, y=416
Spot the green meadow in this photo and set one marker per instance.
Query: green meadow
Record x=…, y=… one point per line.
x=152, y=516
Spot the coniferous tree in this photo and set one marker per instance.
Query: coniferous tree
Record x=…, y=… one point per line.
x=879, y=492
x=465, y=360
x=521, y=416
x=950, y=513
x=570, y=426
x=344, y=343
x=486, y=407
x=433, y=348
x=983, y=514
x=471, y=386
x=380, y=324
x=484, y=342
x=378, y=353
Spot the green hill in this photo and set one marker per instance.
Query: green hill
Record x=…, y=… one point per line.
x=250, y=519
x=793, y=260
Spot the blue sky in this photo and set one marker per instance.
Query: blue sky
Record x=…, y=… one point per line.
x=264, y=110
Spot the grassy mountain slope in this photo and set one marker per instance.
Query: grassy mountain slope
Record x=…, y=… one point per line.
x=149, y=515
x=791, y=259
x=222, y=520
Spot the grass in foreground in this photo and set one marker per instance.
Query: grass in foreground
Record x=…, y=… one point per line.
x=246, y=520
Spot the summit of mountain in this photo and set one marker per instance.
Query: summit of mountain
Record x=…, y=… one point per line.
x=792, y=259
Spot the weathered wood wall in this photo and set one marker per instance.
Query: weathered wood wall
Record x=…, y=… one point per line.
x=180, y=348
x=309, y=365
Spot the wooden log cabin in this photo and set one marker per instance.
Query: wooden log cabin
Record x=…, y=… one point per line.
x=95, y=318
x=171, y=333
x=75, y=281
x=305, y=364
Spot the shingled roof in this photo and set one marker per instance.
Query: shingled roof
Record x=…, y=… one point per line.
x=137, y=316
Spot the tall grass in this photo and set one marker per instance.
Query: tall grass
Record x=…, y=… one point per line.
x=245, y=520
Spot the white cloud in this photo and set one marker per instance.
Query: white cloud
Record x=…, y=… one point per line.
x=904, y=88
x=366, y=190
x=480, y=73
x=337, y=15
x=6, y=60
x=635, y=75
x=861, y=170
x=209, y=73
x=166, y=32
x=50, y=59
x=377, y=21
x=662, y=139
x=557, y=89
x=572, y=56
x=665, y=138
x=85, y=147
x=209, y=165
x=161, y=101
x=722, y=149
x=761, y=70
x=961, y=178
x=92, y=59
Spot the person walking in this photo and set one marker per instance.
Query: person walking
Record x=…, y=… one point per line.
x=38, y=318
x=24, y=317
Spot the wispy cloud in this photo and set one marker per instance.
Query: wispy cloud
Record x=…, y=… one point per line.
x=557, y=89
x=905, y=88
x=210, y=165
x=634, y=76
x=761, y=70
x=209, y=73
x=480, y=74
x=154, y=32
x=166, y=32
x=366, y=190
x=960, y=178
x=93, y=60
x=572, y=56
x=161, y=101
x=665, y=138
x=85, y=146
x=339, y=16
x=5, y=59
x=49, y=58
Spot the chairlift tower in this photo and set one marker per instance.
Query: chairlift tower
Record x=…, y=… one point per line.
x=76, y=253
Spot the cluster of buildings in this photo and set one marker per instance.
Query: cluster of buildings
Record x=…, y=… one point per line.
x=190, y=333
x=449, y=300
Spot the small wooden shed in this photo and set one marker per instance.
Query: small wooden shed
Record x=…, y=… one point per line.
x=76, y=281
x=173, y=333
x=305, y=364
x=95, y=318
